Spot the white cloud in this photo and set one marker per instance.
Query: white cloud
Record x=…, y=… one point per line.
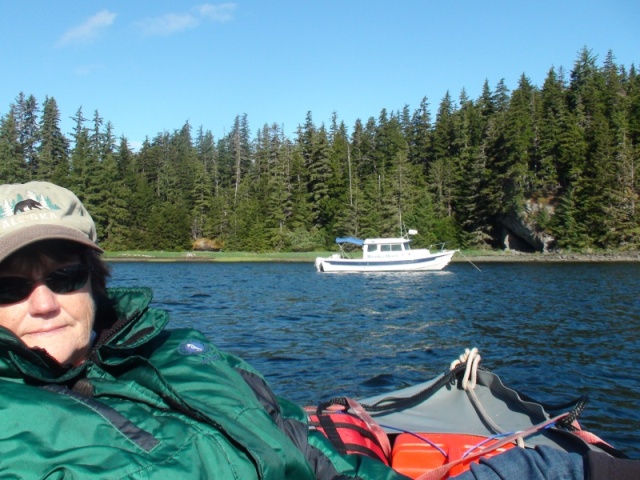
x=177, y=22
x=89, y=30
x=216, y=13
x=84, y=70
x=168, y=24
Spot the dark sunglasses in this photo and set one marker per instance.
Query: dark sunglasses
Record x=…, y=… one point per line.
x=62, y=280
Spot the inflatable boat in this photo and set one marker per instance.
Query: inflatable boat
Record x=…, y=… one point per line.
x=436, y=429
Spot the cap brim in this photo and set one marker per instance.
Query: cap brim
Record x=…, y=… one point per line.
x=13, y=241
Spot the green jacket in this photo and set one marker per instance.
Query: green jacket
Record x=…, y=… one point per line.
x=152, y=403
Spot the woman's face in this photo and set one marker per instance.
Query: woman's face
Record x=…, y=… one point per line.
x=60, y=323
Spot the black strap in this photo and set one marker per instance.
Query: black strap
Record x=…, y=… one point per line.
x=400, y=403
x=330, y=429
x=326, y=422
x=368, y=434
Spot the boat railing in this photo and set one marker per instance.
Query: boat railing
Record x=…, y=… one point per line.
x=437, y=246
x=344, y=253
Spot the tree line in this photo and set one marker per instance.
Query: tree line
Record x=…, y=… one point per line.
x=561, y=157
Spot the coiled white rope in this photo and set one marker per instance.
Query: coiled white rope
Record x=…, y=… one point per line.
x=472, y=358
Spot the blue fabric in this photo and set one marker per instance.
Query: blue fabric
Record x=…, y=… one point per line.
x=355, y=241
x=541, y=463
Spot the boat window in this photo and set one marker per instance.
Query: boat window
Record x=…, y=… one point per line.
x=372, y=248
x=406, y=246
x=386, y=248
x=396, y=248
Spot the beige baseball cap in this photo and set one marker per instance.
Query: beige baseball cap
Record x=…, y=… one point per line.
x=34, y=211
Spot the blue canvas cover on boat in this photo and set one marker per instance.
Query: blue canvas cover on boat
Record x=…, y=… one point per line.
x=355, y=241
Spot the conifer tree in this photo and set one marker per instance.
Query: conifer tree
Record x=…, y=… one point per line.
x=113, y=201
x=468, y=202
x=553, y=114
x=81, y=157
x=205, y=186
x=619, y=193
x=125, y=213
x=419, y=136
x=314, y=149
x=26, y=112
x=184, y=160
x=320, y=174
x=278, y=205
x=53, y=150
x=240, y=151
x=442, y=169
x=519, y=153
x=13, y=168
x=341, y=179
x=202, y=200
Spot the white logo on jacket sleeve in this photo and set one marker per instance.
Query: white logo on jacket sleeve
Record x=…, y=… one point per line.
x=194, y=347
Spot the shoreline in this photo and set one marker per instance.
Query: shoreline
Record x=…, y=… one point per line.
x=552, y=257
x=309, y=257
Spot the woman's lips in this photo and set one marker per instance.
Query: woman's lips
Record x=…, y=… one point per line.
x=48, y=331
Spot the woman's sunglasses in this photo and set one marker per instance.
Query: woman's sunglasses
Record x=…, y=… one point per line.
x=62, y=280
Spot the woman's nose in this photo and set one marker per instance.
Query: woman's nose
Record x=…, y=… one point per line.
x=42, y=300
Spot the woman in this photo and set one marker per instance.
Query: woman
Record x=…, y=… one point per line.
x=92, y=385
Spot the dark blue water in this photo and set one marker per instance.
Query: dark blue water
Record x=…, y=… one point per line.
x=553, y=331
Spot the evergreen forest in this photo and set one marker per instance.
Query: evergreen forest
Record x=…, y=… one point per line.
x=561, y=159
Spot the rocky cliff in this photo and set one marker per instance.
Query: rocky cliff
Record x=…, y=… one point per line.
x=520, y=231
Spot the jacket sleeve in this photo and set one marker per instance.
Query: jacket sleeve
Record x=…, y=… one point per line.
x=601, y=466
x=326, y=462
x=541, y=463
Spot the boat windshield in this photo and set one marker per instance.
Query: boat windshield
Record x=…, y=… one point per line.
x=393, y=247
x=372, y=248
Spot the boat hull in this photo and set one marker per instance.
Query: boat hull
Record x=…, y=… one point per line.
x=422, y=262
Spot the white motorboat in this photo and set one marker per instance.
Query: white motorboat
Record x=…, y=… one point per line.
x=384, y=255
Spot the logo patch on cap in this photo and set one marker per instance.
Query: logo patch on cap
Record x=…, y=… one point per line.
x=19, y=204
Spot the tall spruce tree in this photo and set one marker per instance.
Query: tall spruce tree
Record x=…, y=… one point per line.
x=53, y=150
x=13, y=168
x=520, y=154
x=419, y=136
x=553, y=114
x=470, y=124
x=82, y=158
x=442, y=169
x=26, y=111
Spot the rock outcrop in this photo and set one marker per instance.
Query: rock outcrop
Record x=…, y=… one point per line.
x=206, y=245
x=521, y=231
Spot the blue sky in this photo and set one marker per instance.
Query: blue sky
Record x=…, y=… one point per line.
x=151, y=66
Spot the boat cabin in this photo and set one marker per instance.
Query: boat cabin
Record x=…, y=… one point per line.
x=375, y=247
